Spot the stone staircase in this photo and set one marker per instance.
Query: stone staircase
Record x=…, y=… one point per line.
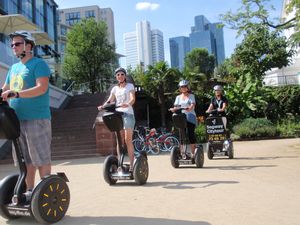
x=73, y=135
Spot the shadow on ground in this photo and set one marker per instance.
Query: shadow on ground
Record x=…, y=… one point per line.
x=90, y=220
x=177, y=185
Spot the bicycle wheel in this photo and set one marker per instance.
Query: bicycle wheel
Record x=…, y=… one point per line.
x=138, y=145
x=170, y=142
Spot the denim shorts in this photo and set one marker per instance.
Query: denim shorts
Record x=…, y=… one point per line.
x=128, y=121
x=35, y=142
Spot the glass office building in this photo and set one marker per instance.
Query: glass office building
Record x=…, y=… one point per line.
x=179, y=47
x=203, y=35
x=208, y=35
x=40, y=12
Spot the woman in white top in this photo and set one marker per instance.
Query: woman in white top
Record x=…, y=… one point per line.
x=187, y=101
x=123, y=94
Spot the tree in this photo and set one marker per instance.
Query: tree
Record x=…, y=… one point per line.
x=260, y=51
x=89, y=56
x=254, y=13
x=159, y=81
x=199, y=61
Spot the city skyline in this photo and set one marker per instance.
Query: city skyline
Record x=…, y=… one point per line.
x=144, y=46
x=173, y=20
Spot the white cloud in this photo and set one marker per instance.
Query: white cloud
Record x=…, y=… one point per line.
x=146, y=6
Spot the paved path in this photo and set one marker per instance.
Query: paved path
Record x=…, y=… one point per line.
x=261, y=186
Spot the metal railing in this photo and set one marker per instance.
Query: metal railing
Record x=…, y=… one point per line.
x=275, y=80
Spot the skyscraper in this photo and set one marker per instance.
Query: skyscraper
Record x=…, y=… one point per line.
x=157, y=46
x=179, y=47
x=203, y=35
x=143, y=46
x=208, y=35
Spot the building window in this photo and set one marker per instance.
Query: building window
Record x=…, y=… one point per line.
x=9, y=6
x=63, y=30
x=50, y=20
x=40, y=21
x=72, y=18
x=27, y=9
x=90, y=13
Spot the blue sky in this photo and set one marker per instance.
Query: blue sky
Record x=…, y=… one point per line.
x=172, y=17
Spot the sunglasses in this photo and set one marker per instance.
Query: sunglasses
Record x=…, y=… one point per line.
x=183, y=86
x=120, y=74
x=16, y=44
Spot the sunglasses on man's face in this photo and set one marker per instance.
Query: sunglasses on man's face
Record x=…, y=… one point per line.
x=183, y=86
x=17, y=44
x=120, y=74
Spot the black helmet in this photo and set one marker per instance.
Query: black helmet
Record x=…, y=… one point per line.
x=120, y=69
x=24, y=34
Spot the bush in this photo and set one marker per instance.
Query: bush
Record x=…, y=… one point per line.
x=254, y=128
x=289, y=127
x=200, y=133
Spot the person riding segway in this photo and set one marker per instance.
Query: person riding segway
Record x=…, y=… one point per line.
x=184, y=118
x=219, y=142
x=50, y=198
x=119, y=118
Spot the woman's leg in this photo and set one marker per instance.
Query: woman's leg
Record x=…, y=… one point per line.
x=130, y=148
x=192, y=137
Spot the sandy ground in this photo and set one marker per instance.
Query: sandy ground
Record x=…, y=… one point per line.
x=261, y=186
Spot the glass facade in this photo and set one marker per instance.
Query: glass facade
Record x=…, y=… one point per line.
x=51, y=20
x=9, y=6
x=208, y=35
x=27, y=9
x=179, y=47
x=40, y=12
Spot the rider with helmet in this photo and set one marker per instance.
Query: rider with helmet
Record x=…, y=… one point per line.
x=28, y=83
x=187, y=101
x=218, y=103
x=123, y=94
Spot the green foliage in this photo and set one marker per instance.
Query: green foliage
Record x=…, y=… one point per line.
x=255, y=13
x=246, y=99
x=260, y=51
x=89, y=56
x=287, y=99
x=199, y=63
x=254, y=128
x=200, y=133
x=289, y=127
x=159, y=82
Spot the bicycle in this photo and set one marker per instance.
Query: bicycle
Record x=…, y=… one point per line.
x=151, y=141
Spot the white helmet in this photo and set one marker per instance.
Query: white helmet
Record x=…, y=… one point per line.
x=218, y=88
x=183, y=83
x=24, y=34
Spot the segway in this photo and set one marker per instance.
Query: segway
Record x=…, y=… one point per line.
x=180, y=122
x=114, y=168
x=50, y=197
x=218, y=138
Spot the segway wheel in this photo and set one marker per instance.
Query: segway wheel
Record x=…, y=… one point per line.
x=230, y=151
x=7, y=186
x=199, y=157
x=141, y=170
x=110, y=166
x=175, y=153
x=50, y=200
x=210, y=152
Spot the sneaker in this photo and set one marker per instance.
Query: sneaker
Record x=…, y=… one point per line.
x=27, y=196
